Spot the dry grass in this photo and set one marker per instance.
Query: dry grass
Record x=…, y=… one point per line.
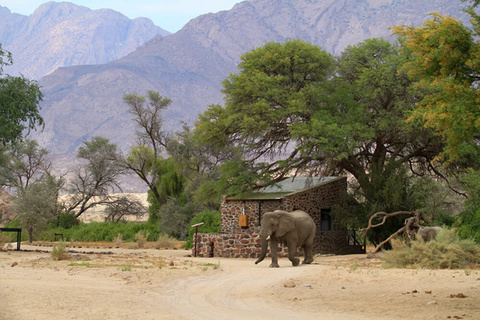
x=446, y=252
x=141, y=239
x=60, y=252
x=164, y=241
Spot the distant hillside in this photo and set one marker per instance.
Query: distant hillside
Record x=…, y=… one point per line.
x=188, y=66
x=63, y=34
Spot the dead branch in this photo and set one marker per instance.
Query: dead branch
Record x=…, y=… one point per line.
x=384, y=219
x=411, y=225
x=388, y=239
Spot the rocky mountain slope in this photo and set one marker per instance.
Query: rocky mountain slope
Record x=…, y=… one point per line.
x=63, y=34
x=188, y=66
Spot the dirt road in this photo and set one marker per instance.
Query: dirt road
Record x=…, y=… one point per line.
x=165, y=284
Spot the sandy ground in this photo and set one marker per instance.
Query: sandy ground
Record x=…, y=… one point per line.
x=107, y=283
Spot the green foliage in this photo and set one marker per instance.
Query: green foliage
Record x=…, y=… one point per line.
x=443, y=55
x=175, y=215
x=169, y=184
x=468, y=223
x=104, y=231
x=446, y=252
x=141, y=157
x=5, y=59
x=199, y=163
x=295, y=110
x=19, y=104
x=278, y=87
x=37, y=204
x=400, y=191
x=211, y=220
x=23, y=163
x=67, y=220
x=4, y=239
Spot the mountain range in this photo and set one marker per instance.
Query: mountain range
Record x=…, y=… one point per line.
x=63, y=34
x=100, y=55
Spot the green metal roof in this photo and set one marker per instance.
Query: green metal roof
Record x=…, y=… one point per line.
x=259, y=196
x=282, y=188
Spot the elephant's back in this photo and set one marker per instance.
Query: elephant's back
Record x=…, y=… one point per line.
x=300, y=215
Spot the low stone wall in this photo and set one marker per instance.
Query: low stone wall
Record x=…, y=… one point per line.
x=245, y=245
x=229, y=245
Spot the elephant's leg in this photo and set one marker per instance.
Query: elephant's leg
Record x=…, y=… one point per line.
x=273, y=252
x=291, y=254
x=308, y=253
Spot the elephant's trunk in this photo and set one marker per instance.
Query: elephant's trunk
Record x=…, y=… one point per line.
x=264, y=243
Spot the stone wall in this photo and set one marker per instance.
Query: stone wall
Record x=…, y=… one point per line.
x=231, y=209
x=240, y=245
x=234, y=241
x=313, y=200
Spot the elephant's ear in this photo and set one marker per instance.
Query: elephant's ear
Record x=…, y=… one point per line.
x=285, y=224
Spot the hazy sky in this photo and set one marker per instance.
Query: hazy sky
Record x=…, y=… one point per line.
x=170, y=15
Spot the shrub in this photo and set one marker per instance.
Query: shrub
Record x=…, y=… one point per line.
x=59, y=252
x=118, y=240
x=109, y=231
x=165, y=241
x=447, y=251
x=4, y=239
x=141, y=239
x=211, y=220
x=102, y=231
x=67, y=220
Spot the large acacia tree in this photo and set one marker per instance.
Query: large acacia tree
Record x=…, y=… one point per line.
x=295, y=109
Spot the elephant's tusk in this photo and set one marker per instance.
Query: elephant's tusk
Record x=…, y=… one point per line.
x=268, y=238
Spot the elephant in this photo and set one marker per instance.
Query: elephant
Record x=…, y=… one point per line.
x=295, y=229
x=428, y=233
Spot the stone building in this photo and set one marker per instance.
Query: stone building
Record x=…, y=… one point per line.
x=241, y=215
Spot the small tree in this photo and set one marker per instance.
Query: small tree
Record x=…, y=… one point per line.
x=96, y=177
x=175, y=215
x=151, y=138
x=122, y=207
x=23, y=163
x=37, y=204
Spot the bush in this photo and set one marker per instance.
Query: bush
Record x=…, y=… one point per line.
x=109, y=231
x=59, y=252
x=211, y=220
x=447, y=251
x=141, y=239
x=4, y=239
x=67, y=220
x=468, y=222
x=103, y=231
x=16, y=224
x=165, y=241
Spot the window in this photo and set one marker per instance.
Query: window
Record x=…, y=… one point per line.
x=325, y=220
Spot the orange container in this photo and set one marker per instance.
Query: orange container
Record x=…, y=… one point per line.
x=242, y=220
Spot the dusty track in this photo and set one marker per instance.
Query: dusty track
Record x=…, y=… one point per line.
x=165, y=284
